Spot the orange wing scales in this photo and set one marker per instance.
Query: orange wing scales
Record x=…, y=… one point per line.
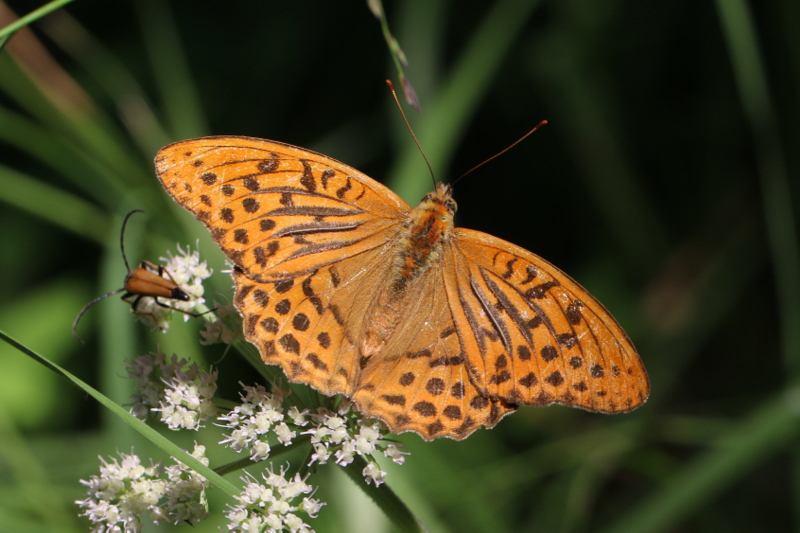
x=275, y=214
x=419, y=381
x=533, y=336
x=430, y=328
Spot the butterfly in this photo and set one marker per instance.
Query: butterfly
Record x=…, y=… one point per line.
x=431, y=328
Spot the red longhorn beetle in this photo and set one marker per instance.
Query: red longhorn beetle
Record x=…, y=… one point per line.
x=145, y=280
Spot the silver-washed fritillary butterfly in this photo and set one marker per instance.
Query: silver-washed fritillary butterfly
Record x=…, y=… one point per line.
x=431, y=328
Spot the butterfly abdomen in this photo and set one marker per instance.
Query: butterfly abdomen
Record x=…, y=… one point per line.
x=428, y=228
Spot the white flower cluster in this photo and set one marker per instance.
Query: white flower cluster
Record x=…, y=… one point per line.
x=126, y=490
x=188, y=272
x=332, y=434
x=123, y=493
x=337, y=435
x=180, y=392
x=260, y=413
x=273, y=506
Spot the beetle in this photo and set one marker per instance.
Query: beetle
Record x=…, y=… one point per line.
x=146, y=280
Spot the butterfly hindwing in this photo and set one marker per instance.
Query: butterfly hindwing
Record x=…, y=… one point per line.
x=533, y=336
x=418, y=381
x=311, y=325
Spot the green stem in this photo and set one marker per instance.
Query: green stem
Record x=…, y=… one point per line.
x=33, y=16
x=274, y=452
x=151, y=434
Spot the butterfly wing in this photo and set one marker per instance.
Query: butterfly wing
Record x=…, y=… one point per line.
x=276, y=210
x=310, y=325
x=314, y=327
x=418, y=381
x=531, y=335
x=300, y=228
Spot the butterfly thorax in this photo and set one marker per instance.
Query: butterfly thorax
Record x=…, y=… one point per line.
x=419, y=244
x=428, y=227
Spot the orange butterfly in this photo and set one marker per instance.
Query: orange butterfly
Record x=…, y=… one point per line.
x=431, y=328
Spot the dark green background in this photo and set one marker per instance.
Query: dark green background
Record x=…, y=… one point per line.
x=663, y=183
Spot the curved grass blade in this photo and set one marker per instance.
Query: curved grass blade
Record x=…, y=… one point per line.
x=151, y=434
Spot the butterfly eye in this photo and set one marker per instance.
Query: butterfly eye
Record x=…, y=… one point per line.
x=451, y=205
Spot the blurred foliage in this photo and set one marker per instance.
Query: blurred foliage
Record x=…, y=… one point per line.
x=665, y=183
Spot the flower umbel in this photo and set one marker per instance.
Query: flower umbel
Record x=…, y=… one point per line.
x=252, y=421
x=272, y=506
x=344, y=435
x=261, y=419
x=126, y=490
x=179, y=391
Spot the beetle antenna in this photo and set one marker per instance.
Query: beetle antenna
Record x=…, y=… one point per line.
x=122, y=244
x=86, y=308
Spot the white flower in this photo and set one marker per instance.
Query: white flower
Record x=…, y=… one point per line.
x=321, y=453
x=260, y=451
x=373, y=474
x=298, y=417
x=273, y=506
x=126, y=490
x=345, y=454
x=182, y=393
x=260, y=414
x=284, y=433
x=393, y=452
x=339, y=435
x=311, y=507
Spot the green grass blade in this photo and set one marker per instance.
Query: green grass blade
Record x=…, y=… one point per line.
x=33, y=16
x=52, y=204
x=185, y=115
x=394, y=508
x=151, y=434
x=83, y=124
x=114, y=78
x=751, y=79
x=766, y=431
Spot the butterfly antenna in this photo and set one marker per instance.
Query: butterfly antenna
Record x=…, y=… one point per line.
x=86, y=308
x=411, y=131
x=498, y=154
x=122, y=244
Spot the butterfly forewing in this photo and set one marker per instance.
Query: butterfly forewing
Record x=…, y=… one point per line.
x=277, y=211
x=532, y=335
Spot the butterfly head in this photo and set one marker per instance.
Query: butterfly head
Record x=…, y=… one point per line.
x=443, y=196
